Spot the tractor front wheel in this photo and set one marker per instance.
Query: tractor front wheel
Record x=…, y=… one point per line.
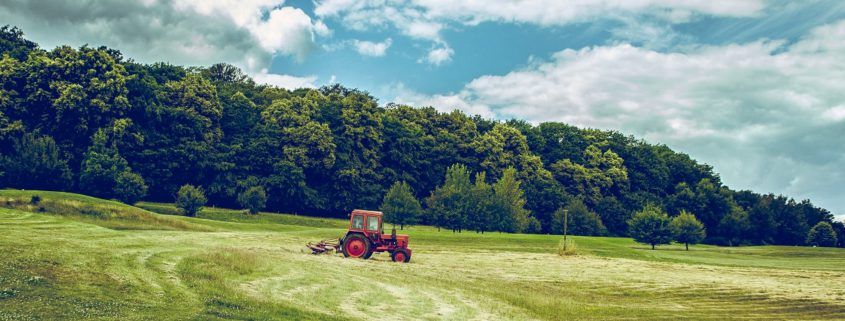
x=400, y=256
x=356, y=246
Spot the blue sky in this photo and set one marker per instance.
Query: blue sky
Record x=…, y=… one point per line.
x=755, y=88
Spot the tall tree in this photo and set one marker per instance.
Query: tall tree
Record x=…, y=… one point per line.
x=482, y=215
x=510, y=202
x=400, y=206
x=734, y=226
x=448, y=203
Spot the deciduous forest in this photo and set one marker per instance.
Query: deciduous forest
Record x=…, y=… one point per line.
x=91, y=121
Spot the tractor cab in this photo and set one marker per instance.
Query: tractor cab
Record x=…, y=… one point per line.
x=365, y=236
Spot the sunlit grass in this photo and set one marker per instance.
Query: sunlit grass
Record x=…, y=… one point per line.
x=235, y=266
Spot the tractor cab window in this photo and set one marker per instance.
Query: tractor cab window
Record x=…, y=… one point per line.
x=358, y=222
x=372, y=223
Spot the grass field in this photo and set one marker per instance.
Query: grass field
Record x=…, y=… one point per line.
x=73, y=257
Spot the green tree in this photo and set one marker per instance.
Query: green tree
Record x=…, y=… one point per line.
x=100, y=167
x=822, y=235
x=614, y=215
x=35, y=163
x=687, y=229
x=500, y=148
x=582, y=221
x=400, y=206
x=734, y=226
x=253, y=199
x=482, y=213
x=190, y=199
x=129, y=187
x=449, y=203
x=508, y=197
x=650, y=226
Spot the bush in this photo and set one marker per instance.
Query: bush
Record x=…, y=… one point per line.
x=569, y=249
x=534, y=226
x=35, y=200
x=822, y=235
x=190, y=199
x=650, y=226
x=253, y=199
x=129, y=187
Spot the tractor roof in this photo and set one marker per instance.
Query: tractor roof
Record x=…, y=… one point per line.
x=366, y=212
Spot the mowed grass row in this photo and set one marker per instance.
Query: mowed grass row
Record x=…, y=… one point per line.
x=65, y=267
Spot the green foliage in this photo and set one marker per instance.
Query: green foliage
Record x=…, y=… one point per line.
x=603, y=174
x=581, y=220
x=687, y=229
x=35, y=163
x=14, y=44
x=253, y=199
x=509, y=201
x=483, y=215
x=400, y=206
x=734, y=226
x=613, y=215
x=449, y=204
x=87, y=120
x=822, y=235
x=190, y=200
x=100, y=167
x=129, y=187
x=650, y=226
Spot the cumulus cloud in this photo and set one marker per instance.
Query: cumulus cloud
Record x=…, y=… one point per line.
x=285, y=81
x=439, y=56
x=245, y=33
x=372, y=49
x=768, y=115
x=426, y=19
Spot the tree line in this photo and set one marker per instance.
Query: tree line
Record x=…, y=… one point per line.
x=89, y=120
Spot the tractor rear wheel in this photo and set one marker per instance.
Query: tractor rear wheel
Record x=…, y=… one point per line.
x=356, y=246
x=400, y=256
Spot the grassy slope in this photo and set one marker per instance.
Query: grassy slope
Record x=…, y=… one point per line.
x=64, y=267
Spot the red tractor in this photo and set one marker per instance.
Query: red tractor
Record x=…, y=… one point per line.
x=364, y=237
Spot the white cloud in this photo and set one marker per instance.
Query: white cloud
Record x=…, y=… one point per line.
x=285, y=81
x=288, y=31
x=426, y=19
x=439, y=56
x=373, y=49
x=443, y=103
x=246, y=33
x=550, y=13
x=767, y=115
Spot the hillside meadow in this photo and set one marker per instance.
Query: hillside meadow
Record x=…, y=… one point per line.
x=73, y=257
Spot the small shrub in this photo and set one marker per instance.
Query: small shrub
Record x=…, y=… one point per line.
x=8, y=293
x=568, y=250
x=129, y=187
x=190, y=200
x=253, y=199
x=35, y=200
x=534, y=226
